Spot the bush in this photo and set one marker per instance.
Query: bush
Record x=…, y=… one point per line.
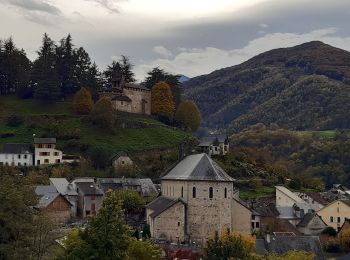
x=329, y=231
x=14, y=121
x=6, y=135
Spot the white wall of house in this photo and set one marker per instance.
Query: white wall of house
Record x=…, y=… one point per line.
x=25, y=159
x=47, y=156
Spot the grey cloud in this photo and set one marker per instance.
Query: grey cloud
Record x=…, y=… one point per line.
x=33, y=6
x=110, y=5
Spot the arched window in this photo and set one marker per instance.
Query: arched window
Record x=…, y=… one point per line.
x=182, y=192
x=211, y=193
x=194, y=192
x=225, y=193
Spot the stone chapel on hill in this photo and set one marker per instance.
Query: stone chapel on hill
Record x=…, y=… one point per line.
x=197, y=199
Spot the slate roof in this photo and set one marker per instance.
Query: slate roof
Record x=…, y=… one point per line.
x=63, y=186
x=17, y=149
x=161, y=204
x=117, y=155
x=48, y=194
x=44, y=140
x=88, y=188
x=209, y=140
x=283, y=244
x=146, y=186
x=316, y=196
x=306, y=219
x=268, y=210
x=122, y=98
x=198, y=167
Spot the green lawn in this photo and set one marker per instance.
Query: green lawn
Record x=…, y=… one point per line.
x=259, y=192
x=324, y=134
x=46, y=119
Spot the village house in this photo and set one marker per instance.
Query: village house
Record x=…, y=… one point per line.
x=312, y=224
x=335, y=213
x=144, y=187
x=121, y=160
x=198, y=198
x=128, y=97
x=45, y=151
x=67, y=190
x=16, y=155
x=52, y=203
x=90, y=197
x=215, y=145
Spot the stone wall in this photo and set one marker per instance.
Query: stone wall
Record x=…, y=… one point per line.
x=204, y=215
x=137, y=96
x=170, y=224
x=241, y=218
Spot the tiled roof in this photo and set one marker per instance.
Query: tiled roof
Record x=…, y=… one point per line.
x=63, y=186
x=161, y=204
x=16, y=149
x=306, y=219
x=44, y=140
x=198, y=167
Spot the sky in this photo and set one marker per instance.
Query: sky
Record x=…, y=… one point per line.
x=189, y=37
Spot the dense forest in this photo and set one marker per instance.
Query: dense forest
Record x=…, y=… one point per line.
x=299, y=88
x=305, y=157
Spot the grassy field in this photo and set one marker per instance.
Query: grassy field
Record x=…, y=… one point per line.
x=324, y=134
x=259, y=192
x=55, y=119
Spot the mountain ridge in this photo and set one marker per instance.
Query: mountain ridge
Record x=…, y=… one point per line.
x=230, y=97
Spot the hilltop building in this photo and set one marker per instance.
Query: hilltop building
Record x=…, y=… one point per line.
x=198, y=198
x=129, y=97
x=215, y=145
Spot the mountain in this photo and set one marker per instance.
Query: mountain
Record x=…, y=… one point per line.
x=184, y=78
x=306, y=87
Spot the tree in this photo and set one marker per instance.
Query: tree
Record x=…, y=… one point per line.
x=102, y=113
x=123, y=68
x=142, y=250
x=291, y=255
x=131, y=200
x=162, y=100
x=82, y=102
x=156, y=75
x=229, y=245
x=188, y=115
x=44, y=75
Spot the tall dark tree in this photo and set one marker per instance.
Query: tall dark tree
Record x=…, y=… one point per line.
x=156, y=75
x=14, y=68
x=122, y=67
x=66, y=62
x=44, y=75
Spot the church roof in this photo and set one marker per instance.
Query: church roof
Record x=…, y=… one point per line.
x=198, y=167
x=161, y=204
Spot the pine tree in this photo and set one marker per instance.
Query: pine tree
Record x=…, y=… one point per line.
x=123, y=67
x=44, y=75
x=162, y=100
x=188, y=115
x=82, y=102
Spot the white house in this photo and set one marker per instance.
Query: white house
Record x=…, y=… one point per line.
x=46, y=152
x=215, y=145
x=16, y=155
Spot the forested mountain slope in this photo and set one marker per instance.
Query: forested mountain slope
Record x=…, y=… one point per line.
x=303, y=87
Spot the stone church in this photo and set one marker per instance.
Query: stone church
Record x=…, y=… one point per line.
x=198, y=198
x=129, y=97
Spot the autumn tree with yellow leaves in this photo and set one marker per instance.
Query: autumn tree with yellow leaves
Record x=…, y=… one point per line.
x=188, y=115
x=162, y=100
x=82, y=102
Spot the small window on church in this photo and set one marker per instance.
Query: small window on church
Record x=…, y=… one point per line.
x=211, y=193
x=178, y=224
x=182, y=192
x=225, y=193
x=194, y=192
x=122, y=102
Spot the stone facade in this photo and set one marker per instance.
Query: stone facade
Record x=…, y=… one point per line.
x=313, y=226
x=121, y=161
x=209, y=196
x=59, y=210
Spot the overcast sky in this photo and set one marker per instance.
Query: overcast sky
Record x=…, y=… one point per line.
x=190, y=37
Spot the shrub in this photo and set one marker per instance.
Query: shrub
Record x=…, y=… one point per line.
x=329, y=231
x=6, y=135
